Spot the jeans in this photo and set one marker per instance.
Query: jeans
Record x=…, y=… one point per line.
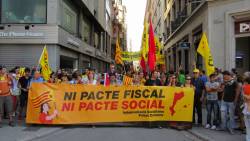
x=227, y=110
x=219, y=113
x=198, y=109
x=212, y=106
x=247, y=123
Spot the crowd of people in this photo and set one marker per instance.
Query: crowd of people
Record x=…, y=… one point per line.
x=222, y=93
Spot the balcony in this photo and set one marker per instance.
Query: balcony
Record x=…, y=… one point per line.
x=181, y=17
x=184, y=14
x=195, y=4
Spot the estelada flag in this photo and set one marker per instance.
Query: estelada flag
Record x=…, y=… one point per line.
x=41, y=99
x=152, y=50
x=118, y=56
x=44, y=62
x=127, y=80
x=205, y=52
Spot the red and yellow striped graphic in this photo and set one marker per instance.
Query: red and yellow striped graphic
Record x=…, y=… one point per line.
x=127, y=80
x=43, y=98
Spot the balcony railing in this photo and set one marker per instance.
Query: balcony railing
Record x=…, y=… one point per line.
x=184, y=14
x=195, y=4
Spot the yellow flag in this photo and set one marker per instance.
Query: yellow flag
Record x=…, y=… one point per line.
x=205, y=52
x=158, y=46
x=144, y=47
x=118, y=57
x=159, y=56
x=21, y=71
x=44, y=62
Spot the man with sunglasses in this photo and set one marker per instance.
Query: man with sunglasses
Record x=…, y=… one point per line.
x=198, y=96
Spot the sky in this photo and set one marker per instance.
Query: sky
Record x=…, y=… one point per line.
x=134, y=20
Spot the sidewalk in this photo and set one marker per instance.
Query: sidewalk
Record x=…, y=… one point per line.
x=22, y=132
x=213, y=135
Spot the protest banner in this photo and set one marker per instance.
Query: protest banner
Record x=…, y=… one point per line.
x=76, y=104
x=131, y=56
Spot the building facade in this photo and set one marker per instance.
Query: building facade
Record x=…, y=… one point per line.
x=155, y=11
x=226, y=24
x=77, y=33
x=119, y=26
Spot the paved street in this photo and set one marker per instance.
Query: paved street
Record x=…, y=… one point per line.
x=22, y=132
x=119, y=134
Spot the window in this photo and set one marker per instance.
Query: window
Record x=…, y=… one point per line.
x=69, y=17
x=97, y=40
x=86, y=30
x=23, y=11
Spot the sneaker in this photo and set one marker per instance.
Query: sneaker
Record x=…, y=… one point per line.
x=213, y=127
x=159, y=127
x=231, y=131
x=11, y=123
x=207, y=126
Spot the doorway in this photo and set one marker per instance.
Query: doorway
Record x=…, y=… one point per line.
x=242, y=57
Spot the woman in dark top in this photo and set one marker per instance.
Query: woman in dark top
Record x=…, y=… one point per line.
x=153, y=81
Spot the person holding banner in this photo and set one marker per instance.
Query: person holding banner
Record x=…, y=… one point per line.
x=91, y=78
x=113, y=80
x=15, y=90
x=65, y=79
x=173, y=81
x=52, y=78
x=198, y=96
x=188, y=82
x=5, y=96
x=142, y=79
x=163, y=79
x=37, y=78
x=24, y=84
x=136, y=80
x=153, y=81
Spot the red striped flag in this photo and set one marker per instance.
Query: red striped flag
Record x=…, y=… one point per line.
x=127, y=80
x=43, y=98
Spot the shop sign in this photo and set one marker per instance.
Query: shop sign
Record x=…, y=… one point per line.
x=242, y=27
x=184, y=45
x=13, y=34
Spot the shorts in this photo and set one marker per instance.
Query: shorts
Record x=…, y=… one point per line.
x=7, y=104
x=23, y=100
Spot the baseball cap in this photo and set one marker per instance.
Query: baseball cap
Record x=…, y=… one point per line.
x=196, y=71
